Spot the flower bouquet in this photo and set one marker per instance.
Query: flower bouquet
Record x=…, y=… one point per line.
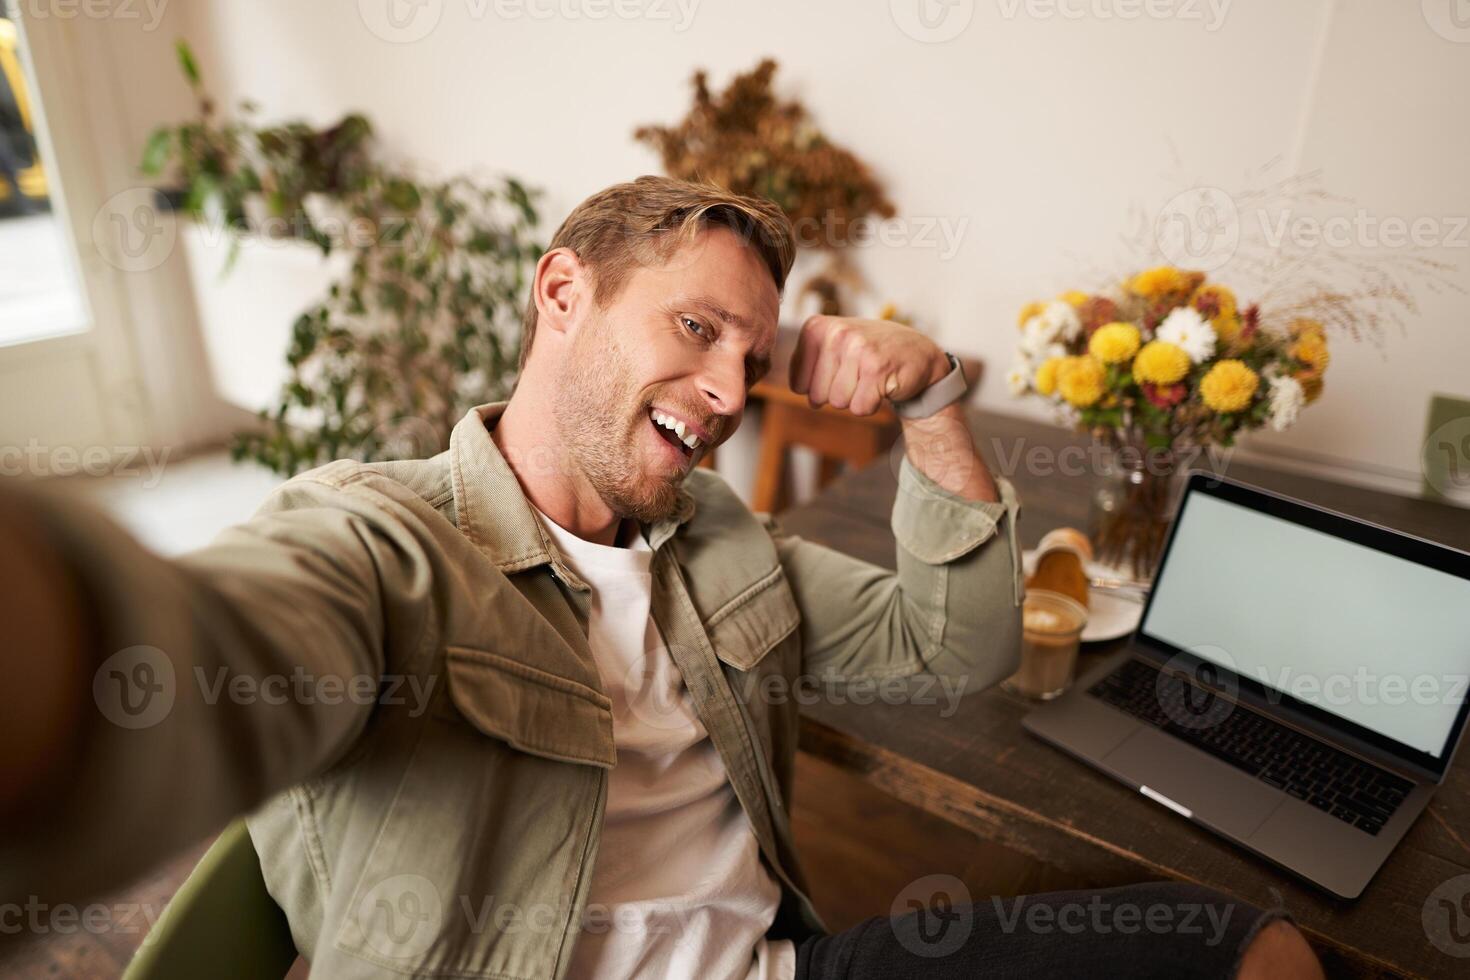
x=1164, y=365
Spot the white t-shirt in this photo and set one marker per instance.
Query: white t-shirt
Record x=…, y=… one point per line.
x=678, y=889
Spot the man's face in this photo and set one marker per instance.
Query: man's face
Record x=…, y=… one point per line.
x=682, y=342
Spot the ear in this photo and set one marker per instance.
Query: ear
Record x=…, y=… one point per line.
x=562, y=289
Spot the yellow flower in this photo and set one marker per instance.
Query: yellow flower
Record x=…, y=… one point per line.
x=1160, y=363
x=1227, y=328
x=1302, y=326
x=1158, y=281
x=1229, y=386
x=1081, y=380
x=1045, y=381
x=1114, y=343
x=1311, y=349
x=1074, y=297
x=1029, y=310
x=1312, y=388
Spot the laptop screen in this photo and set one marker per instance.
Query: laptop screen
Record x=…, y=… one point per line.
x=1375, y=639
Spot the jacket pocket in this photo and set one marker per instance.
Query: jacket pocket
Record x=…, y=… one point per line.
x=530, y=709
x=747, y=627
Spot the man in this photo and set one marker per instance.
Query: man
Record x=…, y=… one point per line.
x=575, y=752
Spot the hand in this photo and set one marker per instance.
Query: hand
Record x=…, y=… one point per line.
x=851, y=363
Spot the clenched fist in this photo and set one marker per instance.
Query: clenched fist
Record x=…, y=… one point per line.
x=851, y=363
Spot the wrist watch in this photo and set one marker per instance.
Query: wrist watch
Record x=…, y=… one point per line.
x=941, y=394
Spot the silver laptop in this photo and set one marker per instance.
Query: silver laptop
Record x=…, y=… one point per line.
x=1297, y=682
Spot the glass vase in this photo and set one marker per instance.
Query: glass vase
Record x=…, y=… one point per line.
x=1133, y=503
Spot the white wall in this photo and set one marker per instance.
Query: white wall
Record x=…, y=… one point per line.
x=1034, y=130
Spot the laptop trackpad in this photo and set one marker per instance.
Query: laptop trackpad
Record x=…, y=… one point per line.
x=1219, y=794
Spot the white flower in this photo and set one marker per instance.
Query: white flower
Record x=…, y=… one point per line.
x=1287, y=399
x=1187, y=329
x=1046, y=331
x=1062, y=320
x=1019, y=377
x=1036, y=336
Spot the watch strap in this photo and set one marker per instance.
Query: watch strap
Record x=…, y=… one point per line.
x=941, y=394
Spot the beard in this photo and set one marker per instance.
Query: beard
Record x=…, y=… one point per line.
x=598, y=414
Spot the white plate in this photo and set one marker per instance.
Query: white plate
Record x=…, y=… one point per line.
x=1110, y=614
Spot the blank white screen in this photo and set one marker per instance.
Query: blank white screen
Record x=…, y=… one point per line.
x=1300, y=610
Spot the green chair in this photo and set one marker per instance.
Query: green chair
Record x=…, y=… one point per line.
x=221, y=924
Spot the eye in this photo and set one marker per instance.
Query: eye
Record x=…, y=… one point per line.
x=694, y=326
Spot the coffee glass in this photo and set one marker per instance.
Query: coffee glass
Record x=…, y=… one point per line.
x=1051, y=630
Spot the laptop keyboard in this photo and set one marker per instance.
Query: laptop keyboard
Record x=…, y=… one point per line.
x=1353, y=791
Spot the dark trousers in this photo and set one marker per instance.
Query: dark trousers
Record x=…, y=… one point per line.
x=1160, y=929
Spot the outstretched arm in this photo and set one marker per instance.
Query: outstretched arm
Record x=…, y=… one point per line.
x=163, y=697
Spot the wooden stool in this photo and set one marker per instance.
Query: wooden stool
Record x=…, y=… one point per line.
x=835, y=435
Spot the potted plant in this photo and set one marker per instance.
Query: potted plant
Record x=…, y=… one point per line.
x=749, y=140
x=358, y=308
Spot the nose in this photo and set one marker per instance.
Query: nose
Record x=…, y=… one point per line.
x=721, y=382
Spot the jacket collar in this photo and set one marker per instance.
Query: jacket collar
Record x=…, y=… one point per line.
x=492, y=509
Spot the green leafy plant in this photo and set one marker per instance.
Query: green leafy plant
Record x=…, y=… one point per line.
x=426, y=322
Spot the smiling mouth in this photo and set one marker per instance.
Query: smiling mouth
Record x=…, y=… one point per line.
x=674, y=432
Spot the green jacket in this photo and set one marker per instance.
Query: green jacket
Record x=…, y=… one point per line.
x=389, y=662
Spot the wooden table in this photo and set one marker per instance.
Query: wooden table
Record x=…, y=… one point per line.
x=980, y=770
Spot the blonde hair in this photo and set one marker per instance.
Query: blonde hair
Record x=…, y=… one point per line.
x=629, y=223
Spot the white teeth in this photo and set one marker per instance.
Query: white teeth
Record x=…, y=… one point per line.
x=686, y=435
